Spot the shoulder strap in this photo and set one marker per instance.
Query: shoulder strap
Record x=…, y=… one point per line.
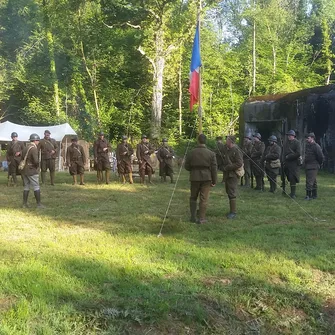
x=26, y=155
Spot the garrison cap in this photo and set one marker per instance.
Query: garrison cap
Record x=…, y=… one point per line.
x=14, y=134
x=258, y=135
x=311, y=135
x=144, y=136
x=291, y=132
x=47, y=131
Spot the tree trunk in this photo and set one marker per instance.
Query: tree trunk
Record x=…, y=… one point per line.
x=254, y=59
x=157, y=90
x=180, y=99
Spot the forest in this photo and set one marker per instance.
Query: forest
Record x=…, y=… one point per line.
x=123, y=66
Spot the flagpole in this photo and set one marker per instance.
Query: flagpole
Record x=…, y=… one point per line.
x=200, y=73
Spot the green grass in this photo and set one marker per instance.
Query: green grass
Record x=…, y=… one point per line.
x=91, y=262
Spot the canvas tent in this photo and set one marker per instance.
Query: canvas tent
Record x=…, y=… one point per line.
x=58, y=132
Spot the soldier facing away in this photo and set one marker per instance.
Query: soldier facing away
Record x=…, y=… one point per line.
x=219, y=151
x=14, y=157
x=233, y=161
x=313, y=160
x=292, y=153
x=165, y=156
x=272, y=162
x=75, y=160
x=246, y=150
x=256, y=161
x=143, y=152
x=124, y=151
x=201, y=162
x=101, y=150
x=48, y=147
x=30, y=171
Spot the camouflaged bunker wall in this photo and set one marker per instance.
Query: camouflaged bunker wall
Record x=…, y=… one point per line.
x=310, y=110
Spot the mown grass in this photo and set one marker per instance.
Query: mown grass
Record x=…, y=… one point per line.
x=91, y=262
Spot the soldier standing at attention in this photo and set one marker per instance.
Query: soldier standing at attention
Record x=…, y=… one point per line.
x=14, y=157
x=48, y=147
x=30, y=171
x=313, y=160
x=143, y=152
x=292, y=153
x=256, y=161
x=219, y=151
x=101, y=149
x=75, y=160
x=201, y=162
x=272, y=162
x=124, y=151
x=246, y=149
x=233, y=161
x=165, y=156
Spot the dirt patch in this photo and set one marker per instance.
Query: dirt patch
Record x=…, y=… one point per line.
x=210, y=281
x=6, y=303
x=329, y=310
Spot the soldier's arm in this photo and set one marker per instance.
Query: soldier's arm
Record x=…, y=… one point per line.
x=130, y=150
x=214, y=169
x=55, y=145
x=68, y=159
x=319, y=154
x=95, y=150
x=151, y=149
x=237, y=163
x=83, y=154
x=138, y=152
x=34, y=157
x=188, y=162
x=117, y=153
x=273, y=155
x=295, y=153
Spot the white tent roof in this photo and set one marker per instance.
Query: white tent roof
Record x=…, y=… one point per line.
x=57, y=132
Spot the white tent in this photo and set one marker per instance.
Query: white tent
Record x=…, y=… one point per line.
x=57, y=132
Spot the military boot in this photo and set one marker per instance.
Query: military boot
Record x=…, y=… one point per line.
x=52, y=178
x=271, y=186
x=43, y=177
x=171, y=177
x=258, y=184
x=25, y=199
x=14, y=179
x=123, y=179
x=107, y=173
x=149, y=177
x=74, y=177
x=274, y=186
x=82, y=179
x=293, y=189
x=232, y=204
x=308, y=195
x=314, y=194
x=37, y=195
x=193, y=210
x=131, y=178
x=202, y=213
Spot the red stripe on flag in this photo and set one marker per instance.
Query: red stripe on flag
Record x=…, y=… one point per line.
x=194, y=88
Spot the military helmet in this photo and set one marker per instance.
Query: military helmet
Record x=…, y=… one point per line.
x=47, y=132
x=291, y=132
x=124, y=137
x=272, y=138
x=14, y=134
x=101, y=133
x=258, y=135
x=164, y=140
x=232, y=138
x=143, y=136
x=34, y=137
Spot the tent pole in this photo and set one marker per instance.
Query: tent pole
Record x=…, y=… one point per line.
x=59, y=156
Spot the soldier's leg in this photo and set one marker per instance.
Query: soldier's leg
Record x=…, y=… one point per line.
x=195, y=189
x=107, y=174
x=52, y=169
x=74, y=178
x=232, y=183
x=315, y=185
x=37, y=192
x=130, y=173
x=81, y=179
x=43, y=170
x=25, y=192
x=309, y=184
x=14, y=173
x=149, y=174
x=204, y=195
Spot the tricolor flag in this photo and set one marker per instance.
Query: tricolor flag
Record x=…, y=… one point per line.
x=195, y=70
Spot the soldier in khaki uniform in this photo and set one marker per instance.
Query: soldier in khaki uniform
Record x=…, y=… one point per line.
x=143, y=152
x=272, y=162
x=313, y=160
x=233, y=161
x=75, y=160
x=165, y=156
x=101, y=149
x=48, y=147
x=219, y=151
x=124, y=151
x=256, y=161
x=292, y=154
x=201, y=162
x=14, y=157
x=246, y=150
x=30, y=171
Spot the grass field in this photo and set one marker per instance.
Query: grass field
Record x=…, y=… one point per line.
x=91, y=262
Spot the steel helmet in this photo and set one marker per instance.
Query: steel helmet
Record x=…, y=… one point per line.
x=14, y=134
x=258, y=135
x=101, y=133
x=272, y=138
x=34, y=137
x=164, y=140
x=124, y=137
x=291, y=132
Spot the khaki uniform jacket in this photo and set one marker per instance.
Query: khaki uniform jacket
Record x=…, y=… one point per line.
x=247, y=147
x=313, y=156
x=143, y=152
x=257, y=151
x=201, y=162
x=220, y=152
x=271, y=153
x=121, y=149
x=233, y=160
x=75, y=154
x=12, y=148
x=165, y=155
x=32, y=164
x=46, y=146
x=98, y=149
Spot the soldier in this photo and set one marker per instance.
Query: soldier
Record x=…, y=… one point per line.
x=201, y=162
x=313, y=160
x=292, y=161
x=219, y=151
x=143, y=152
x=124, y=151
x=272, y=162
x=233, y=161
x=165, y=156
x=48, y=147
x=256, y=161
x=246, y=149
x=30, y=171
x=101, y=158
x=14, y=157
x=75, y=160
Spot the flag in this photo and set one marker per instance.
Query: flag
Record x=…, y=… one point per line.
x=195, y=69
